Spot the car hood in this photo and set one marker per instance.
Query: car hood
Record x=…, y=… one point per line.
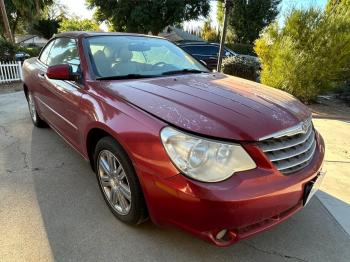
x=214, y=105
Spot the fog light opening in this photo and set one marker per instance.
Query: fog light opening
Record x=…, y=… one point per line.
x=221, y=234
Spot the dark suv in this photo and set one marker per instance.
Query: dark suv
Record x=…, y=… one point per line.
x=208, y=52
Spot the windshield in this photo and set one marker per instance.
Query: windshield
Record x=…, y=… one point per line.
x=135, y=56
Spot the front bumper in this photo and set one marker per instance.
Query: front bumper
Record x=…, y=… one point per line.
x=245, y=204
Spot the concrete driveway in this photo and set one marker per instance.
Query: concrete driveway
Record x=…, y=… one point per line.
x=51, y=209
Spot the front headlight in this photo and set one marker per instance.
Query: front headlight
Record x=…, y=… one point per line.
x=204, y=159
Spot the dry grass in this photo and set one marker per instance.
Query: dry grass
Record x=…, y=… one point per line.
x=11, y=87
x=330, y=107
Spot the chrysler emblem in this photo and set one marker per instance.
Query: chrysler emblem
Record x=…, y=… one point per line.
x=304, y=127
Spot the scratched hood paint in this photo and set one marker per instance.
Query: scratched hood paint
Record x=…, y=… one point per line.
x=214, y=105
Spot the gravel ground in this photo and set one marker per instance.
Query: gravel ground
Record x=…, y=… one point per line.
x=10, y=87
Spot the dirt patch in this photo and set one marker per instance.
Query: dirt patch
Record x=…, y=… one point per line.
x=330, y=107
x=11, y=87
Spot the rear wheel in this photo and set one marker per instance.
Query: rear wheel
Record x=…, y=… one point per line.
x=37, y=121
x=118, y=182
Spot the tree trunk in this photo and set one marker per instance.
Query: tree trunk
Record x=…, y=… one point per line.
x=14, y=25
x=5, y=20
x=37, y=6
x=223, y=34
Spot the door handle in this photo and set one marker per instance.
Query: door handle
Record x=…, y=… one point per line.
x=41, y=76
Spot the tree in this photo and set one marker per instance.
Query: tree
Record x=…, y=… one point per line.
x=6, y=25
x=147, y=16
x=337, y=5
x=46, y=27
x=22, y=12
x=76, y=24
x=310, y=54
x=220, y=12
x=249, y=17
x=209, y=33
x=50, y=20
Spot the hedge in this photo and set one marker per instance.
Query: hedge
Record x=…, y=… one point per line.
x=240, y=67
x=9, y=50
x=31, y=50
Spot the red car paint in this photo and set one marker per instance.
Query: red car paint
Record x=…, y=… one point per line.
x=212, y=105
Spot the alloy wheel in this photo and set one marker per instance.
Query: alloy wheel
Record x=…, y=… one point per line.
x=114, y=182
x=32, y=108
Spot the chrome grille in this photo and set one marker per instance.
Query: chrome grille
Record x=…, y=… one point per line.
x=292, y=149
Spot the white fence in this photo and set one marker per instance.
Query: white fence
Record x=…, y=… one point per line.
x=10, y=72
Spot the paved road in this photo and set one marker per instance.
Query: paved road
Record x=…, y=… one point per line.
x=51, y=209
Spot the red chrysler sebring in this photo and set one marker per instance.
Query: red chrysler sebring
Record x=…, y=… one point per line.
x=218, y=156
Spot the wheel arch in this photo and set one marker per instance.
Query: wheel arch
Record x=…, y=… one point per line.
x=92, y=138
x=25, y=89
x=96, y=133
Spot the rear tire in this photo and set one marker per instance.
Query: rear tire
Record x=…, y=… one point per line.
x=118, y=182
x=37, y=121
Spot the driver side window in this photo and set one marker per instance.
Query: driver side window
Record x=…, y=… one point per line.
x=45, y=53
x=64, y=51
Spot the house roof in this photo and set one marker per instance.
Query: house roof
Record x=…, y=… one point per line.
x=176, y=34
x=23, y=38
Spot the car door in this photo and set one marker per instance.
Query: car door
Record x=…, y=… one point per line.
x=59, y=99
x=37, y=75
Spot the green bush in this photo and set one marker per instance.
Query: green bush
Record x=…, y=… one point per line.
x=310, y=54
x=209, y=33
x=244, y=49
x=8, y=50
x=33, y=51
x=240, y=67
x=31, y=45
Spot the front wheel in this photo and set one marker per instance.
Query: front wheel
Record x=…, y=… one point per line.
x=37, y=121
x=118, y=182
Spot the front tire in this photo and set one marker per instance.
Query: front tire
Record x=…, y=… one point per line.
x=37, y=121
x=118, y=182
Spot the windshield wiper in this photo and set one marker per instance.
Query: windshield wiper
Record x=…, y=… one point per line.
x=128, y=76
x=184, y=71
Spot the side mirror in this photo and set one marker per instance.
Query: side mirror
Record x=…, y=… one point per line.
x=60, y=72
